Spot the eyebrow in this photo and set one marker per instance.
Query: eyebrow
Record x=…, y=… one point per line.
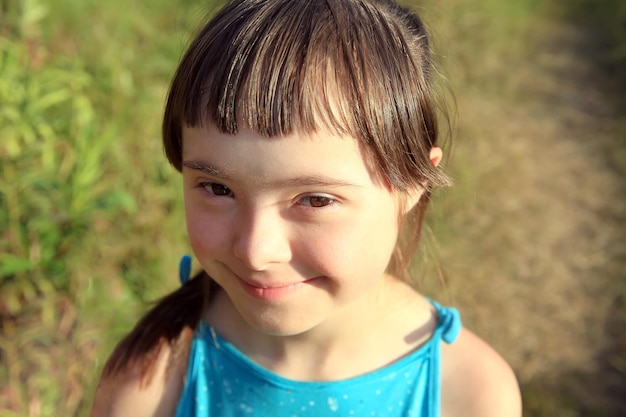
x=300, y=181
x=205, y=167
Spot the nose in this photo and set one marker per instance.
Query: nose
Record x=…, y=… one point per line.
x=261, y=239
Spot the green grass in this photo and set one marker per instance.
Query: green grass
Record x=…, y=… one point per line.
x=90, y=211
x=91, y=217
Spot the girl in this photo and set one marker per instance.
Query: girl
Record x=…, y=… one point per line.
x=306, y=134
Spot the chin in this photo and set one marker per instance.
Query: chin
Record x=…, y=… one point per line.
x=275, y=325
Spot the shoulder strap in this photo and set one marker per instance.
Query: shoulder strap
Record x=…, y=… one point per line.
x=449, y=322
x=448, y=328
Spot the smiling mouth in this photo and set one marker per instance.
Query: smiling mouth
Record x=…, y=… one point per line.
x=274, y=292
x=273, y=286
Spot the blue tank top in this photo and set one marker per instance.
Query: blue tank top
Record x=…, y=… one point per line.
x=222, y=382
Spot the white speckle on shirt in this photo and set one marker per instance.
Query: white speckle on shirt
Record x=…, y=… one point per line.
x=333, y=404
x=246, y=408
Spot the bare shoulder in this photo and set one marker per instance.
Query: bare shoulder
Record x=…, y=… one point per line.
x=128, y=393
x=477, y=381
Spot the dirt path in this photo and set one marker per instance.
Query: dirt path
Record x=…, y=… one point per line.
x=539, y=264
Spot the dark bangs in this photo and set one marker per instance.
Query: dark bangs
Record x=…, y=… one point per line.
x=353, y=67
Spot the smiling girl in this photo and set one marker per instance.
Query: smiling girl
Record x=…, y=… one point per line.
x=306, y=134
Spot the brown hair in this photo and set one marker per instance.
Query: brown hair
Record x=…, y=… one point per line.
x=355, y=67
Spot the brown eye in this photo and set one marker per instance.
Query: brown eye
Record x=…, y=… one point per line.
x=217, y=189
x=317, y=201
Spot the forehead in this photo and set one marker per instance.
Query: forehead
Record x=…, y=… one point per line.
x=251, y=156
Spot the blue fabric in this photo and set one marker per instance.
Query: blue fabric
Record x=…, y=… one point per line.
x=223, y=382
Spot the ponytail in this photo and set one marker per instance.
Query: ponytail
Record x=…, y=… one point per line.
x=171, y=321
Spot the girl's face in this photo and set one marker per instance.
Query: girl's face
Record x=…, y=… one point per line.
x=296, y=230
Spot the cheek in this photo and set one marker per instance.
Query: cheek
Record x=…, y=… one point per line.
x=362, y=245
x=380, y=235
x=378, y=243
x=206, y=236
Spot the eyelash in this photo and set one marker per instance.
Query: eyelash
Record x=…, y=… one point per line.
x=311, y=200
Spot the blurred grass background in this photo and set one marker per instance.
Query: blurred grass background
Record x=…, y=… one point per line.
x=530, y=243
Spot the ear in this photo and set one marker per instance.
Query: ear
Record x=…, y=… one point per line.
x=435, y=155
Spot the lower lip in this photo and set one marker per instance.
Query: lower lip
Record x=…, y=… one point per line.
x=274, y=293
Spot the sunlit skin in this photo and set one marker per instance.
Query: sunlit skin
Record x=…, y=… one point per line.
x=298, y=232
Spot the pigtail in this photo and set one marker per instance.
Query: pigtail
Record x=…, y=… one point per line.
x=171, y=321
